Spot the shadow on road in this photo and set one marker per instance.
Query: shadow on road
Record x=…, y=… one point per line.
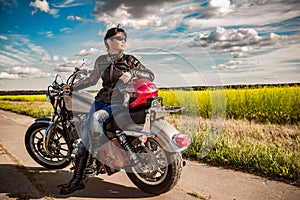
x=15, y=185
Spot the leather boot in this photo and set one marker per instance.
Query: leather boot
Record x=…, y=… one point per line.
x=76, y=182
x=91, y=167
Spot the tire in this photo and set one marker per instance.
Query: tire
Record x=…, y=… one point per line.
x=34, y=146
x=170, y=172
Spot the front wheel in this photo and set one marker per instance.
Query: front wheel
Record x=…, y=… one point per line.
x=158, y=170
x=59, y=147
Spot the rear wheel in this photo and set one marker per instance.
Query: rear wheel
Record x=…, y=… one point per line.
x=58, y=147
x=158, y=170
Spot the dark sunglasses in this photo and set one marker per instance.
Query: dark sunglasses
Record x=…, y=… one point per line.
x=120, y=38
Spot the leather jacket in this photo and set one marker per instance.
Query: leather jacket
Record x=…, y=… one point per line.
x=110, y=68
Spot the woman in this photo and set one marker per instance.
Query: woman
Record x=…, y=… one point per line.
x=112, y=68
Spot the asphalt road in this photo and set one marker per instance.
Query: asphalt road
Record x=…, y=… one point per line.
x=198, y=180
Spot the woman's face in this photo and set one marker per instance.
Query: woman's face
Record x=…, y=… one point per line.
x=117, y=43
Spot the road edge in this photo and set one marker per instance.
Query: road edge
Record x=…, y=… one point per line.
x=30, y=176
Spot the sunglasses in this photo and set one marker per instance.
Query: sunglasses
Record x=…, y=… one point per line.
x=120, y=38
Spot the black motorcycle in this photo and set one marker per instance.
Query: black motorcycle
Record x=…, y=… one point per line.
x=139, y=139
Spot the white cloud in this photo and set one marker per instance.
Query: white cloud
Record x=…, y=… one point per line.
x=217, y=8
x=5, y=75
x=278, y=66
x=19, y=58
x=123, y=17
x=38, y=49
x=48, y=34
x=55, y=58
x=69, y=3
x=23, y=72
x=84, y=52
x=11, y=56
x=131, y=13
x=3, y=37
x=76, y=18
x=65, y=30
x=282, y=58
x=68, y=65
x=64, y=68
x=238, y=42
x=232, y=64
x=43, y=6
x=243, y=13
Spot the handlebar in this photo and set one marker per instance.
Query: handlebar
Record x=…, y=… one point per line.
x=56, y=89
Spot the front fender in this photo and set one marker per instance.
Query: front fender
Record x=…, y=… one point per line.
x=43, y=120
x=46, y=135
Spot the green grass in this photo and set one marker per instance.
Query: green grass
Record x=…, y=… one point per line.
x=33, y=109
x=270, y=149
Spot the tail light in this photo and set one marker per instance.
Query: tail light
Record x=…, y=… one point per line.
x=182, y=140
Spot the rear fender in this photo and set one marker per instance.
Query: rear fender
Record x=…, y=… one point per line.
x=165, y=133
x=162, y=131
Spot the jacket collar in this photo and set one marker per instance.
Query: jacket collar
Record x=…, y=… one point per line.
x=112, y=58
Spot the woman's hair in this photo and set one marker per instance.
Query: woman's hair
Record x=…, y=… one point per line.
x=112, y=32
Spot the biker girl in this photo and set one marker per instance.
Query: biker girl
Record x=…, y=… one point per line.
x=113, y=67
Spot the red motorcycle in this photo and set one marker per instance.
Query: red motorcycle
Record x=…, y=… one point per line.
x=139, y=139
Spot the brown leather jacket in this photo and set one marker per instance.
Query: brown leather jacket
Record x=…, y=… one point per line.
x=110, y=70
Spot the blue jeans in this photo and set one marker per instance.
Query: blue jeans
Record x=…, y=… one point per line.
x=93, y=131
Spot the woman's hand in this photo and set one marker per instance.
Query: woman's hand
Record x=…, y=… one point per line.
x=66, y=89
x=126, y=77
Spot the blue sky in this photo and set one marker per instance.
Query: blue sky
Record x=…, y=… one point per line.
x=185, y=43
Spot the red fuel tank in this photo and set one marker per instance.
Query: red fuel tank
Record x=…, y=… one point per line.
x=144, y=90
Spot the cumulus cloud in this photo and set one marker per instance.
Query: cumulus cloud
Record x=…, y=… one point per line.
x=219, y=8
x=5, y=75
x=214, y=8
x=23, y=72
x=232, y=64
x=43, y=6
x=238, y=42
x=132, y=13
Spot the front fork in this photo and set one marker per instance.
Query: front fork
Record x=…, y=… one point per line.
x=53, y=123
x=47, y=137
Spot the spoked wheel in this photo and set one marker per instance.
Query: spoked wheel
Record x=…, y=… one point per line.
x=157, y=171
x=57, y=156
